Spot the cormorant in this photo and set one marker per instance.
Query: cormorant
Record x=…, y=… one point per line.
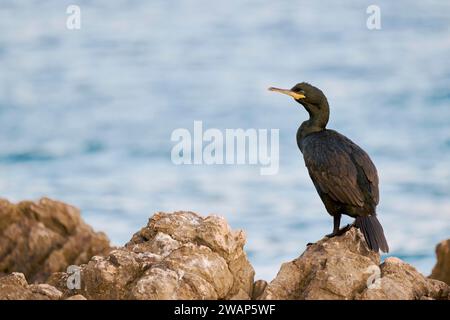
x=343, y=174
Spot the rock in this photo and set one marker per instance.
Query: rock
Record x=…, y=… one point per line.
x=15, y=287
x=344, y=268
x=441, y=270
x=39, y=238
x=185, y=256
x=176, y=256
x=258, y=289
x=76, y=297
x=401, y=281
x=329, y=269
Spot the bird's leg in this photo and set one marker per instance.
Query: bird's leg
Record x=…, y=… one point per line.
x=336, y=224
x=336, y=230
x=344, y=229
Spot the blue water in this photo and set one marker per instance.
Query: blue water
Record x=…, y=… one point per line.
x=86, y=115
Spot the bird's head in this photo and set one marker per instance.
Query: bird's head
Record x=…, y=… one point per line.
x=310, y=97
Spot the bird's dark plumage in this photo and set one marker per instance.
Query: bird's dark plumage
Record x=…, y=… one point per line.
x=341, y=169
x=343, y=174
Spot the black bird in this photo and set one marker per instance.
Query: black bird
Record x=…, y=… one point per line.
x=343, y=174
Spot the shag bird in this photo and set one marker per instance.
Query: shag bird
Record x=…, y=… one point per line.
x=343, y=174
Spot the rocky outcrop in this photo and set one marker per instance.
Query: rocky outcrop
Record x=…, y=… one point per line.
x=182, y=255
x=176, y=256
x=344, y=268
x=39, y=238
x=441, y=270
x=401, y=281
x=15, y=287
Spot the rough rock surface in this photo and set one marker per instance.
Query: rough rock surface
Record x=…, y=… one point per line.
x=176, y=256
x=185, y=256
x=344, y=268
x=39, y=238
x=441, y=270
x=258, y=289
x=401, y=281
x=15, y=287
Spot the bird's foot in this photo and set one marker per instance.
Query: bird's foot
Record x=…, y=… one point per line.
x=339, y=232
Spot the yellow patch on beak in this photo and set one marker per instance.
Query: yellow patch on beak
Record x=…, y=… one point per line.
x=295, y=95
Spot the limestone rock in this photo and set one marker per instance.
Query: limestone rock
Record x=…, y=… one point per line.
x=76, y=297
x=344, y=268
x=15, y=287
x=441, y=270
x=39, y=238
x=401, y=281
x=185, y=256
x=176, y=256
x=258, y=289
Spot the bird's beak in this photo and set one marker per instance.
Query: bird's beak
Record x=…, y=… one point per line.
x=295, y=95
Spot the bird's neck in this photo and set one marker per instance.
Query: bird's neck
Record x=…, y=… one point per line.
x=318, y=119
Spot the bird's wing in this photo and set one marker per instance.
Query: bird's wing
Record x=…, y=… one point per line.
x=363, y=160
x=333, y=162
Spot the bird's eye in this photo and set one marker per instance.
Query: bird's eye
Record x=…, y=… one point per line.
x=298, y=90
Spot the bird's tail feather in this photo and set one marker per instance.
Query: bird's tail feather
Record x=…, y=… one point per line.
x=373, y=233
